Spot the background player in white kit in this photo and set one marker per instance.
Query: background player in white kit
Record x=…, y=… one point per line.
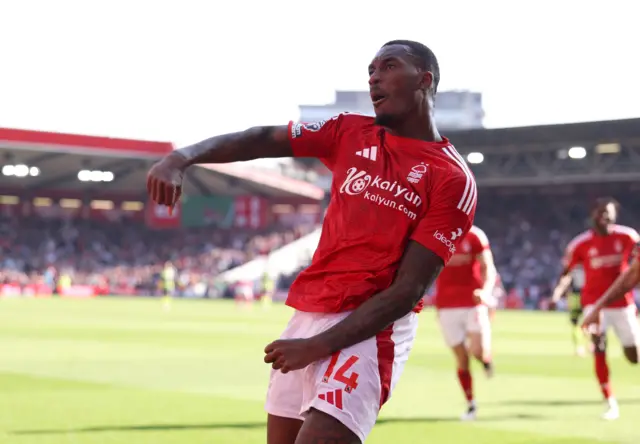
x=464, y=295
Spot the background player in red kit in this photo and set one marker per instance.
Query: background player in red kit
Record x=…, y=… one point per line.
x=625, y=283
x=464, y=292
x=399, y=190
x=604, y=252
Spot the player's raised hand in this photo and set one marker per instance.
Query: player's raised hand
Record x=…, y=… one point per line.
x=292, y=354
x=164, y=180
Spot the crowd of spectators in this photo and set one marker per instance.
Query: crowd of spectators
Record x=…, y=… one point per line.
x=127, y=257
x=528, y=233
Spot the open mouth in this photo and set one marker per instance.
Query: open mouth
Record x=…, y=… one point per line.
x=377, y=99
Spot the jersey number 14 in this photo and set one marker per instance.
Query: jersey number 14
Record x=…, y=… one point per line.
x=350, y=382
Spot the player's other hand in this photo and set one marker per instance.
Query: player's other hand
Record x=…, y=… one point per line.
x=164, y=179
x=591, y=322
x=481, y=297
x=552, y=305
x=293, y=354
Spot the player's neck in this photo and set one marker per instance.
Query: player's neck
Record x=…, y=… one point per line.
x=420, y=127
x=600, y=231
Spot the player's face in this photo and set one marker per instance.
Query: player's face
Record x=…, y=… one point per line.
x=396, y=86
x=604, y=215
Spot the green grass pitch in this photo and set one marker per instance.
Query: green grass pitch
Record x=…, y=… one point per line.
x=121, y=370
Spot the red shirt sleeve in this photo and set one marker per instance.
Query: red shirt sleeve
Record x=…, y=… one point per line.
x=632, y=240
x=572, y=255
x=480, y=241
x=449, y=216
x=319, y=139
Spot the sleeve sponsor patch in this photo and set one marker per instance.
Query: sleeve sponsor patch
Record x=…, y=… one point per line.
x=298, y=129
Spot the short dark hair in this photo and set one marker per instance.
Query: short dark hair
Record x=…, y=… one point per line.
x=425, y=58
x=604, y=201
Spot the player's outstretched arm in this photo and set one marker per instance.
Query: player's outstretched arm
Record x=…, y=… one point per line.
x=418, y=269
x=164, y=180
x=562, y=286
x=572, y=256
x=489, y=275
x=255, y=143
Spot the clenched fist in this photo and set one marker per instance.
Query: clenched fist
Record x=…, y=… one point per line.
x=293, y=354
x=164, y=179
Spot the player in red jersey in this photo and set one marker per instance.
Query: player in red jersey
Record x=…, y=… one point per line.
x=604, y=252
x=623, y=285
x=464, y=293
x=399, y=190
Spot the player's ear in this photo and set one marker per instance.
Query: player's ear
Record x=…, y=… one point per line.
x=427, y=80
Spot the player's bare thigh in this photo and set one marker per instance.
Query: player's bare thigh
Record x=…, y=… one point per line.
x=453, y=325
x=476, y=347
x=479, y=332
x=321, y=428
x=282, y=430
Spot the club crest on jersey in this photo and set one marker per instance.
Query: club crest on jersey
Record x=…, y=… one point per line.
x=416, y=173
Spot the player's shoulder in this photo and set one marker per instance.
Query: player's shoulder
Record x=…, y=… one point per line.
x=451, y=163
x=476, y=232
x=341, y=120
x=452, y=175
x=623, y=230
x=580, y=239
x=349, y=119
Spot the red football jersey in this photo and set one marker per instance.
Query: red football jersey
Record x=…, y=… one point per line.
x=603, y=258
x=461, y=276
x=386, y=190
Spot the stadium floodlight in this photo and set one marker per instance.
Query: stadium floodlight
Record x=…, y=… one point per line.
x=95, y=176
x=577, y=152
x=84, y=175
x=475, y=157
x=8, y=170
x=21, y=171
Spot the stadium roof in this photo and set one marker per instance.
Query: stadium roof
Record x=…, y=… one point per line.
x=58, y=158
x=547, y=136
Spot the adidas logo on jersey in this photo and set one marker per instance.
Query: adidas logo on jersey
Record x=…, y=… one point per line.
x=369, y=153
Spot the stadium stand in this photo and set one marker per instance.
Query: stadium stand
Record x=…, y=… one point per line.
x=74, y=206
x=535, y=188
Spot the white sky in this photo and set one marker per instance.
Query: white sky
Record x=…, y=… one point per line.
x=185, y=70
